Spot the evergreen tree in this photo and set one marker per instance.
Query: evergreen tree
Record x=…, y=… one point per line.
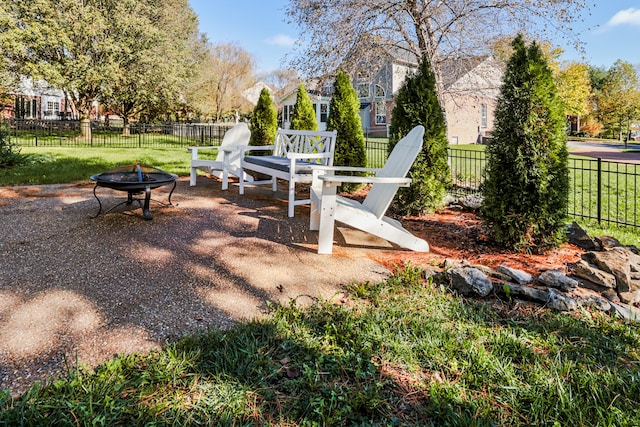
x=417, y=104
x=264, y=120
x=303, y=116
x=343, y=117
x=526, y=178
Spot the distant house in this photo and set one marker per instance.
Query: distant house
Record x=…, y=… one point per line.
x=320, y=96
x=36, y=100
x=252, y=94
x=471, y=89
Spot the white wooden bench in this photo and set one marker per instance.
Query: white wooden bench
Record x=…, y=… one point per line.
x=291, y=158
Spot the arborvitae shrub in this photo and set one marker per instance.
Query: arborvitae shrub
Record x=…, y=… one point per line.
x=417, y=104
x=525, y=191
x=264, y=121
x=343, y=117
x=9, y=153
x=303, y=116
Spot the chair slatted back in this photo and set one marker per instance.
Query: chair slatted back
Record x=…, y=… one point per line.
x=237, y=135
x=397, y=165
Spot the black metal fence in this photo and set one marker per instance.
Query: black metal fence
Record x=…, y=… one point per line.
x=602, y=191
x=67, y=133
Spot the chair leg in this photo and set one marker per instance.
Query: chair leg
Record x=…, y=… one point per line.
x=192, y=177
x=327, y=221
x=292, y=198
x=225, y=179
x=241, y=190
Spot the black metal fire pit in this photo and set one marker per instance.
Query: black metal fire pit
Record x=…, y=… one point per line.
x=134, y=179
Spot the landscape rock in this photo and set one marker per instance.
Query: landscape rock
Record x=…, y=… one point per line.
x=561, y=302
x=607, y=242
x=469, y=281
x=490, y=272
x=629, y=297
x=471, y=202
x=579, y=237
x=521, y=277
x=557, y=279
x=616, y=261
x=526, y=292
x=626, y=312
x=593, y=274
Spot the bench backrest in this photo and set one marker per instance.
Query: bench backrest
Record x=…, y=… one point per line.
x=306, y=141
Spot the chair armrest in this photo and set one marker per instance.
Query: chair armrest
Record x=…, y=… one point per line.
x=194, y=150
x=345, y=169
x=339, y=179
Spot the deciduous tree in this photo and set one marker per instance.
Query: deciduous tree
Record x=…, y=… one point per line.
x=91, y=49
x=619, y=99
x=574, y=89
x=157, y=63
x=347, y=33
x=218, y=88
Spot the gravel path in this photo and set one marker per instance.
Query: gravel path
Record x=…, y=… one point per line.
x=72, y=287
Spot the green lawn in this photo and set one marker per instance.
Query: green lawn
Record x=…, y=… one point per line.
x=55, y=165
x=400, y=352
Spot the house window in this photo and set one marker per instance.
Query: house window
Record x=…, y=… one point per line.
x=324, y=112
x=380, y=92
x=363, y=90
x=483, y=115
x=53, y=108
x=26, y=108
x=286, y=113
x=381, y=113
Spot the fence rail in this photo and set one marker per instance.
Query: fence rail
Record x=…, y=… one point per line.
x=600, y=190
x=67, y=133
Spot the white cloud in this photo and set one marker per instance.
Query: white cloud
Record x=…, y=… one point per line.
x=628, y=16
x=281, y=40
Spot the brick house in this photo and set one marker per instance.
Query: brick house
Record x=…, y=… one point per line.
x=471, y=89
x=36, y=100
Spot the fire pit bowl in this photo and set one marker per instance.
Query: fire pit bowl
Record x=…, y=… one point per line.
x=134, y=179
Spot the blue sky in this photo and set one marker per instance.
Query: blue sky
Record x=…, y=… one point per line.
x=259, y=27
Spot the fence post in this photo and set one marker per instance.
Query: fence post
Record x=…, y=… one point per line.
x=599, y=203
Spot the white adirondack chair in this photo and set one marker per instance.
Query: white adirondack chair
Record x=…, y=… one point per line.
x=327, y=207
x=228, y=159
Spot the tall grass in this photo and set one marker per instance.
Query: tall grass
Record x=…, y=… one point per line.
x=400, y=352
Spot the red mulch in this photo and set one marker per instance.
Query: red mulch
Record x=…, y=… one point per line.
x=462, y=236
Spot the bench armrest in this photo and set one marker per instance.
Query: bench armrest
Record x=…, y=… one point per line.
x=300, y=156
x=245, y=148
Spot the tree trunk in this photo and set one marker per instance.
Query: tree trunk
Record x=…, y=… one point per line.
x=85, y=128
x=126, y=128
